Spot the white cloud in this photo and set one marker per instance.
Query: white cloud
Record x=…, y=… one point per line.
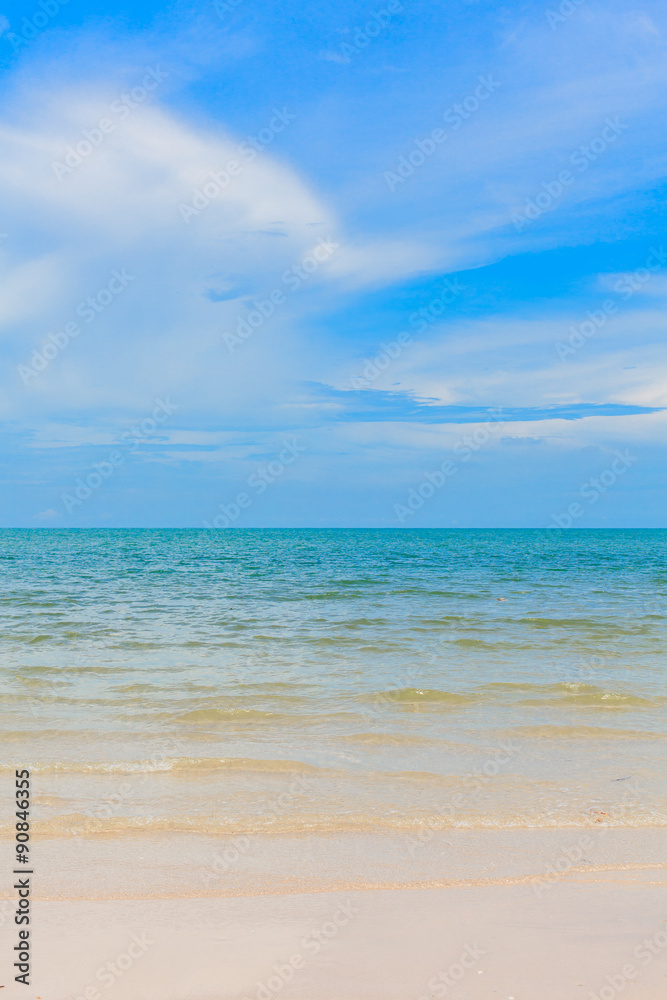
x=122, y=207
x=513, y=361
x=47, y=515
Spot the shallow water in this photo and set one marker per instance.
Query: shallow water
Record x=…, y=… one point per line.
x=328, y=681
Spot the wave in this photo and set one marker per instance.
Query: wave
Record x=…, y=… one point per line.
x=569, y=693
x=584, y=732
x=164, y=764
x=408, y=696
x=225, y=887
x=273, y=823
x=202, y=715
x=396, y=739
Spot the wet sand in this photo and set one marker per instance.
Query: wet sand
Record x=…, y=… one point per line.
x=473, y=915
x=582, y=936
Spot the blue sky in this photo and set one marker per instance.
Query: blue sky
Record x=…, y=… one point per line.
x=279, y=264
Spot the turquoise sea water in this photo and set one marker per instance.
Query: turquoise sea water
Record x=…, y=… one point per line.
x=315, y=680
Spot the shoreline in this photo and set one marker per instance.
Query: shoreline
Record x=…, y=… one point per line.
x=468, y=943
x=183, y=865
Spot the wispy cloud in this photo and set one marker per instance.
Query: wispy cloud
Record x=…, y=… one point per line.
x=207, y=158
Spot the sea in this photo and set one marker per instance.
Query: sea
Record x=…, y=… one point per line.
x=300, y=684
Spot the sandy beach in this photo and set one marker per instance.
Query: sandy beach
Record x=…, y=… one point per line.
x=589, y=934
x=364, y=777
x=333, y=522
x=474, y=915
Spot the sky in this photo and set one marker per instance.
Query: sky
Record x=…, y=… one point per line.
x=333, y=265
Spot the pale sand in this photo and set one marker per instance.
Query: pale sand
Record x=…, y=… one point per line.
x=388, y=944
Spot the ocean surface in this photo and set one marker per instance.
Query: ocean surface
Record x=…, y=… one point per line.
x=333, y=681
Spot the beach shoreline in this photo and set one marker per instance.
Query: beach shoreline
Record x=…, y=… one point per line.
x=231, y=738
x=182, y=865
x=472, y=943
